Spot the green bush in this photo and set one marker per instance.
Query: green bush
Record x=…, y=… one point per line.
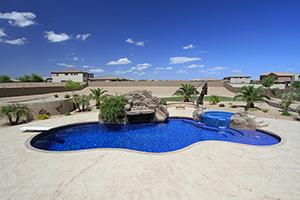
x=67, y=113
x=55, y=95
x=222, y=105
x=285, y=113
x=265, y=110
x=214, y=99
x=67, y=96
x=112, y=108
x=15, y=111
x=81, y=102
x=254, y=109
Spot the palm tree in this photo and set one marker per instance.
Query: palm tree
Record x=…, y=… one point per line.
x=186, y=90
x=97, y=94
x=73, y=85
x=16, y=111
x=112, y=108
x=250, y=95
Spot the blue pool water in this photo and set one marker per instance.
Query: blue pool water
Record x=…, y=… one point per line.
x=173, y=135
x=216, y=118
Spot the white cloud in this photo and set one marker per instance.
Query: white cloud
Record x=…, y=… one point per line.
x=202, y=51
x=85, y=66
x=215, y=70
x=121, y=61
x=65, y=65
x=193, y=66
x=119, y=72
x=189, y=47
x=53, y=37
x=83, y=36
x=139, y=73
x=180, y=71
x=179, y=60
x=218, y=68
x=236, y=71
x=19, y=41
x=75, y=58
x=162, y=68
x=141, y=43
x=97, y=70
x=290, y=69
x=129, y=40
x=155, y=72
x=2, y=34
x=143, y=66
x=21, y=19
x=82, y=59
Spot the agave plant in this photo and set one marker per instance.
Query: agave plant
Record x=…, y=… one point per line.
x=97, y=94
x=251, y=94
x=15, y=112
x=112, y=108
x=186, y=90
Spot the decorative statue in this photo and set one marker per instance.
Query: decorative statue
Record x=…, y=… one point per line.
x=203, y=92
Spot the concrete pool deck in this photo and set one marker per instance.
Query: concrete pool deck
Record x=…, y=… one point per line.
x=205, y=170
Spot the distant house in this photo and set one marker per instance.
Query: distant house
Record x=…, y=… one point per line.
x=71, y=74
x=237, y=79
x=110, y=78
x=281, y=77
x=205, y=79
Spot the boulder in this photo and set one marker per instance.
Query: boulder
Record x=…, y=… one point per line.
x=197, y=113
x=241, y=120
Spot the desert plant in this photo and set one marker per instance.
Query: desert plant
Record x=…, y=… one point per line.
x=73, y=85
x=285, y=113
x=43, y=116
x=186, y=90
x=251, y=94
x=214, y=99
x=81, y=102
x=67, y=96
x=290, y=95
x=112, y=108
x=296, y=85
x=273, y=91
x=55, y=95
x=285, y=104
x=222, y=105
x=265, y=110
x=97, y=94
x=67, y=113
x=268, y=81
x=15, y=111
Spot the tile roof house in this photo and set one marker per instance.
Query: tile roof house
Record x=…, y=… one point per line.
x=237, y=79
x=71, y=74
x=110, y=78
x=282, y=77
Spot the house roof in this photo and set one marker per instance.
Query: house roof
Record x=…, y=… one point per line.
x=280, y=73
x=69, y=71
x=110, y=77
x=237, y=75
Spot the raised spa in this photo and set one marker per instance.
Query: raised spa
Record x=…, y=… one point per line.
x=175, y=134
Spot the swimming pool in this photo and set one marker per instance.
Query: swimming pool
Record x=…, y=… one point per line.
x=173, y=135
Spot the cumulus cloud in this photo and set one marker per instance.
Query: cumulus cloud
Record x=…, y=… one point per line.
x=180, y=71
x=218, y=68
x=119, y=72
x=215, y=70
x=236, y=71
x=121, y=61
x=85, y=66
x=75, y=58
x=19, y=41
x=65, y=65
x=129, y=40
x=189, y=47
x=21, y=19
x=2, y=34
x=164, y=68
x=143, y=66
x=290, y=69
x=83, y=36
x=97, y=70
x=155, y=72
x=53, y=37
x=193, y=66
x=139, y=73
x=141, y=43
x=179, y=60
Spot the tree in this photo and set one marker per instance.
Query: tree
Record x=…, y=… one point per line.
x=5, y=79
x=296, y=85
x=25, y=78
x=268, y=81
x=112, y=108
x=97, y=94
x=15, y=111
x=251, y=94
x=81, y=102
x=73, y=85
x=186, y=90
x=32, y=78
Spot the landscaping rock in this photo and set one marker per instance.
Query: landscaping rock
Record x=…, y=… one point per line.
x=241, y=120
x=197, y=113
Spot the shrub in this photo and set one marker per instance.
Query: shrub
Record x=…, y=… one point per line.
x=67, y=96
x=55, y=95
x=285, y=113
x=81, y=102
x=285, y=104
x=112, y=108
x=222, y=105
x=214, y=99
x=97, y=94
x=290, y=95
x=253, y=109
x=43, y=116
x=67, y=113
x=265, y=110
x=15, y=111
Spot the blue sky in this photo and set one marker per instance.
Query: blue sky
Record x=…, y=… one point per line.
x=150, y=39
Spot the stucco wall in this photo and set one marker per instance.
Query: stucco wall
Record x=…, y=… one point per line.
x=239, y=80
x=152, y=83
x=63, y=77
